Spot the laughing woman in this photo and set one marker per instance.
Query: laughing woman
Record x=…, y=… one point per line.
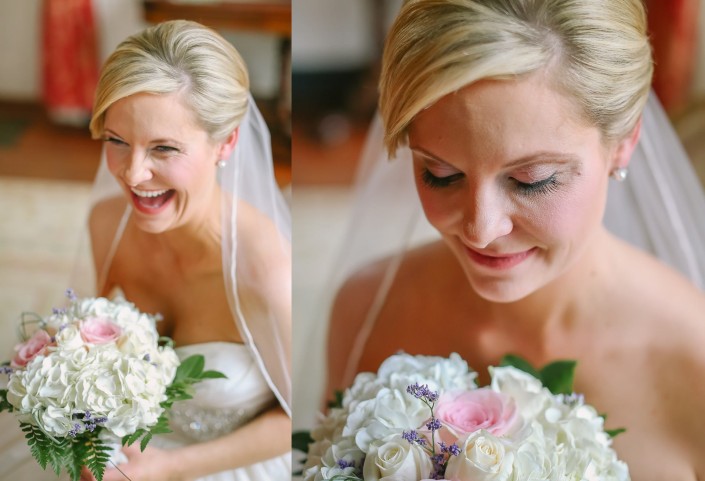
x=512, y=116
x=199, y=233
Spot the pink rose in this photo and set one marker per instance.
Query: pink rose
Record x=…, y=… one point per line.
x=464, y=412
x=98, y=330
x=30, y=349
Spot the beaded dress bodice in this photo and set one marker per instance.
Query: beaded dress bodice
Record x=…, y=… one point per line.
x=220, y=406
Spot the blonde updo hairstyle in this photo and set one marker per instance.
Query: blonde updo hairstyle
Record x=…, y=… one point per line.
x=595, y=51
x=178, y=56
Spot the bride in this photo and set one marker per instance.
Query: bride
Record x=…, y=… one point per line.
x=198, y=232
x=510, y=117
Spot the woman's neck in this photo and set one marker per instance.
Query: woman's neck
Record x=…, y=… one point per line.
x=564, y=304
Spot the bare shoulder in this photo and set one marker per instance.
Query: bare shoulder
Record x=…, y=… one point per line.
x=670, y=312
x=357, y=297
x=660, y=293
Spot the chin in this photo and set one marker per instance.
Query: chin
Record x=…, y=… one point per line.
x=502, y=291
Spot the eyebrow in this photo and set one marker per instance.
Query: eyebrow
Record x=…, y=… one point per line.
x=540, y=156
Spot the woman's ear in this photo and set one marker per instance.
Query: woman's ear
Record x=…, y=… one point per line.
x=228, y=145
x=625, y=147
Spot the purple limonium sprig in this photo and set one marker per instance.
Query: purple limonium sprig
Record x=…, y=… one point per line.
x=71, y=294
x=453, y=449
x=413, y=437
x=76, y=430
x=88, y=423
x=438, y=458
x=58, y=311
x=342, y=464
x=423, y=393
x=6, y=370
x=434, y=424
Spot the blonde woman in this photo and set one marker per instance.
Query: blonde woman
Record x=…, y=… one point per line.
x=198, y=232
x=510, y=117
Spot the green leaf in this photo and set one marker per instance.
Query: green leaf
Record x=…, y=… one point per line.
x=212, y=375
x=190, y=368
x=337, y=402
x=558, y=376
x=98, y=456
x=130, y=439
x=614, y=432
x=4, y=403
x=145, y=440
x=519, y=363
x=300, y=441
x=39, y=443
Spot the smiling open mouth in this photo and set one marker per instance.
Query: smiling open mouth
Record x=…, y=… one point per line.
x=151, y=202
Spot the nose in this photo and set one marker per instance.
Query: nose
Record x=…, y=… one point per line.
x=137, y=169
x=486, y=218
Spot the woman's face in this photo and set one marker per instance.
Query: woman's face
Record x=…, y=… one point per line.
x=513, y=180
x=163, y=160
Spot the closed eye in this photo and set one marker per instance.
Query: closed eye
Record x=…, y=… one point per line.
x=165, y=149
x=544, y=186
x=436, y=182
x=114, y=140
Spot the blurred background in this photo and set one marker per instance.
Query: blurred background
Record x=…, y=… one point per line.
x=336, y=54
x=51, y=53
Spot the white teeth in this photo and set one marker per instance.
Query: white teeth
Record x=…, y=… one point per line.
x=148, y=193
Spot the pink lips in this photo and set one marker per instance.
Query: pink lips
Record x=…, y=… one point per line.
x=499, y=262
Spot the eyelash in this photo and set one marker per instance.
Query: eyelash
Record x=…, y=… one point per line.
x=114, y=140
x=162, y=149
x=545, y=186
x=435, y=182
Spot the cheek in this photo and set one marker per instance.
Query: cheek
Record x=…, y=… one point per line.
x=439, y=206
x=114, y=161
x=572, y=215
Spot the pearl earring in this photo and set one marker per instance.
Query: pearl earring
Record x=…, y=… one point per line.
x=619, y=173
x=221, y=164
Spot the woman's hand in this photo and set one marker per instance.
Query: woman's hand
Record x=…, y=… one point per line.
x=151, y=465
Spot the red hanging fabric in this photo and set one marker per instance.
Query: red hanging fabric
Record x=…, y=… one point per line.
x=69, y=59
x=673, y=28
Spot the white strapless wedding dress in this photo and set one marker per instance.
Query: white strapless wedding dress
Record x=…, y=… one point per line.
x=218, y=407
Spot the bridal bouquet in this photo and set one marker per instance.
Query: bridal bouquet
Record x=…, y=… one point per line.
x=92, y=375
x=422, y=417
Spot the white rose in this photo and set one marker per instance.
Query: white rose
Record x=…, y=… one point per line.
x=69, y=337
x=482, y=457
x=396, y=459
x=529, y=394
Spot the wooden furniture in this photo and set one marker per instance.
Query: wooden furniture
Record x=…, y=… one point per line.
x=270, y=16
